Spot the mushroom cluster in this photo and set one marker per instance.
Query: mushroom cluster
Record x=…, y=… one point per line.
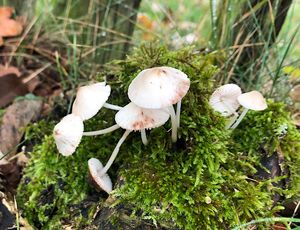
x=228, y=98
x=153, y=92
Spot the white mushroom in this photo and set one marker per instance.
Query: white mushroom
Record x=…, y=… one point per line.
x=160, y=87
x=134, y=118
x=225, y=99
x=253, y=100
x=100, y=179
x=90, y=99
x=67, y=134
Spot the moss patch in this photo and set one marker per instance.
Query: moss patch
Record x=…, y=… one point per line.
x=207, y=180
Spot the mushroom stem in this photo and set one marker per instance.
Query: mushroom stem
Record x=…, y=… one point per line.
x=174, y=123
x=144, y=136
x=178, y=113
x=112, y=107
x=102, y=131
x=231, y=120
x=115, y=153
x=239, y=119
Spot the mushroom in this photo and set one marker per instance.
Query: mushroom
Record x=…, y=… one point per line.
x=134, y=118
x=67, y=134
x=101, y=180
x=253, y=100
x=160, y=87
x=225, y=99
x=90, y=99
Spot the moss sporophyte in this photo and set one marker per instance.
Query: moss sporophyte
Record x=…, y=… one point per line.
x=211, y=178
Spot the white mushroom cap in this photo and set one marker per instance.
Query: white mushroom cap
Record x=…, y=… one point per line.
x=67, y=134
x=158, y=87
x=90, y=99
x=253, y=100
x=133, y=117
x=102, y=181
x=224, y=99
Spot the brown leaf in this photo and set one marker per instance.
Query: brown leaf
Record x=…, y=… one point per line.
x=15, y=119
x=10, y=28
x=6, y=12
x=10, y=87
x=9, y=70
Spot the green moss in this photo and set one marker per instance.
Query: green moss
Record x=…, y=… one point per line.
x=207, y=180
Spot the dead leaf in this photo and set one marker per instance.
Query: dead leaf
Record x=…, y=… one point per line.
x=10, y=28
x=15, y=119
x=6, y=12
x=9, y=70
x=10, y=87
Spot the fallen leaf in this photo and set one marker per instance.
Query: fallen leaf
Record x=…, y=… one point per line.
x=10, y=28
x=9, y=70
x=10, y=87
x=16, y=117
x=6, y=12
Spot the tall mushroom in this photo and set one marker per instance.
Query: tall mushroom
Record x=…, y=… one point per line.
x=160, y=87
x=67, y=134
x=253, y=100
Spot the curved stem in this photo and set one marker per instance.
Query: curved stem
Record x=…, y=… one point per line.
x=115, y=153
x=231, y=120
x=102, y=131
x=112, y=107
x=144, y=136
x=178, y=113
x=239, y=119
x=174, y=123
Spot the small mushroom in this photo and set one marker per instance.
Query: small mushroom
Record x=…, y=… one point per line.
x=101, y=180
x=160, y=87
x=253, y=100
x=67, y=134
x=225, y=99
x=90, y=99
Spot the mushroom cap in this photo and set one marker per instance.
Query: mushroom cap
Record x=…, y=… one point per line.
x=158, y=87
x=133, y=117
x=224, y=99
x=253, y=100
x=101, y=181
x=67, y=134
x=90, y=99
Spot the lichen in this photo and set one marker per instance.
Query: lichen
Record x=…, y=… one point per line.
x=207, y=180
